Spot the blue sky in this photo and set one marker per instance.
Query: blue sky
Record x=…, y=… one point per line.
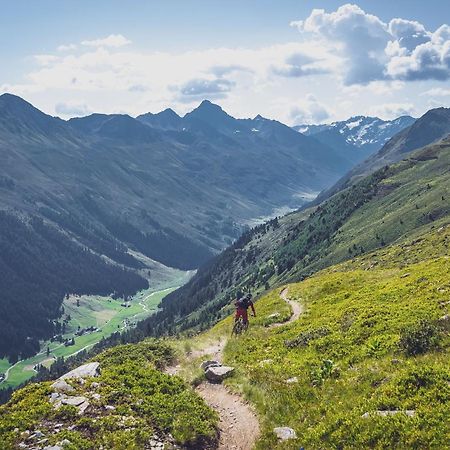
x=276, y=58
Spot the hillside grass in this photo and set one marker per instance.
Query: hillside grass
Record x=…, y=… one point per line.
x=142, y=399
x=371, y=339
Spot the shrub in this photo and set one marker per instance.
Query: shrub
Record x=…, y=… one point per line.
x=419, y=338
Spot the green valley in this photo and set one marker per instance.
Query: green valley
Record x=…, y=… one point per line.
x=104, y=314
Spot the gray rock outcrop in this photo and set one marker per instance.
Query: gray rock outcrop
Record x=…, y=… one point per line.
x=218, y=373
x=285, y=433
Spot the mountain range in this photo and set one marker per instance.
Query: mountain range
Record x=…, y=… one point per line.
x=105, y=189
x=385, y=202
x=357, y=137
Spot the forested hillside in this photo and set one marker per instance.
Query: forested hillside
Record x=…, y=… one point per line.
x=374, y=212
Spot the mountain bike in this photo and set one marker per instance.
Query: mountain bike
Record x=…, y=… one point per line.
x=239, y=327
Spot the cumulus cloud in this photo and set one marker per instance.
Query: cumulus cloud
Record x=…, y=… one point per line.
x=360, y=38
x=428, y=60
x=66, y=48
x=390, y=111
x=201, y=88
x=300, y=65
x=436, y=92
x=113, y=40
x=222, y=70
x=309, y=111
x=71, y=109
x=373, y=50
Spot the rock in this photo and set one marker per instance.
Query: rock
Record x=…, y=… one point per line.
x=209, y=363
x=64, y=442
x=385, y=413
x=53, y=447
x=292, y=380
x=54, y=396
x=96, y=396
x=285, y=433
x=95, y=385
x=74, y=401
x=85, y=371
x=82, y=408
x=218, y=374
x=405, y=275
x=62, y=386
x=37, y=435
x=23, y=445
x=110, y=408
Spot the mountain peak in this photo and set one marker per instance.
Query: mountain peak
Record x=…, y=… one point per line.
x=213, y=115
x=169, y=113
x=16, y=103
x=207, y=106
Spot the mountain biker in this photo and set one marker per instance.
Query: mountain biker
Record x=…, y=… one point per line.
x=242, y=305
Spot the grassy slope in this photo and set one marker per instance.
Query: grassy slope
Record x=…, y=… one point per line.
x=409, y=196
x=355, y=314
x=103, y=312
x=146, y=401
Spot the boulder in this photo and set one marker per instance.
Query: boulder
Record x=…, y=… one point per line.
x=82, y=408
x=74, y=401
x=85, y=371
x=205, y=365
x=218, y=374
x=53, y=447
x=285, y=433
x=62, y=386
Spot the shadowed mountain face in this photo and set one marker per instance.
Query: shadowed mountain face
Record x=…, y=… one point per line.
x=87, y=191
x=357, y=137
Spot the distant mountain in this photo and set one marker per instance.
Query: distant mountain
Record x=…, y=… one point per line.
x=103, y=187
x=357, y=137
x=166, y=120
x=431, y=127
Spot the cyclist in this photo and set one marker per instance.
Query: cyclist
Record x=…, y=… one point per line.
x=242, y=305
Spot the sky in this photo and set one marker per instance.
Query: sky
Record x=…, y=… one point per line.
x=302, y=61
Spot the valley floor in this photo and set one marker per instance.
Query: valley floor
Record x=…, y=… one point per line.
x=104, y=313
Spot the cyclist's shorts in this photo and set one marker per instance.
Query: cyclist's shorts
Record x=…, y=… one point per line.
x=242, y=312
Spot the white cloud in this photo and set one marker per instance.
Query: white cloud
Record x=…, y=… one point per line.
x=359, y=38
x=300, y=65
x=389, y=111
x=428, y=60
x=436, y=92
x=71, y=109
x=374, y=50
x=201, y=88
x=66, y=48
x=309, y=111
x=113, y=40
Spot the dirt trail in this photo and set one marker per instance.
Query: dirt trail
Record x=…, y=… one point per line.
x=297, y=309
x=239, y=426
